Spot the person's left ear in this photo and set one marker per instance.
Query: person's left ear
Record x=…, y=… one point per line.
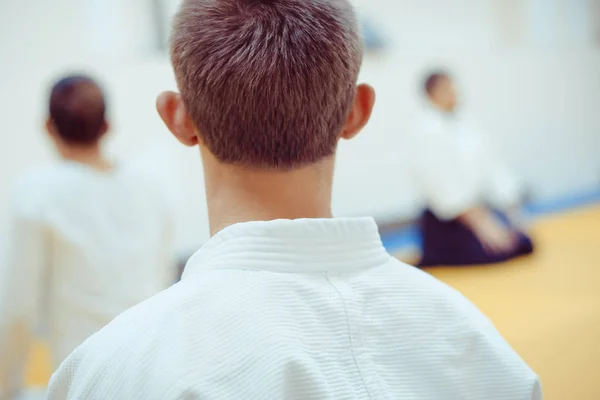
x=364, y=101
x=173, y=113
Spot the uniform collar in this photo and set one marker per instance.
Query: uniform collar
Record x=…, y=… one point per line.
x=303, y=245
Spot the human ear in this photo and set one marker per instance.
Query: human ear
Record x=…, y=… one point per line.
x=171, y=109
x=364, y=100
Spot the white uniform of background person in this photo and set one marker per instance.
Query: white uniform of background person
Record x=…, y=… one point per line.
x=85, y=246
x=455, y=166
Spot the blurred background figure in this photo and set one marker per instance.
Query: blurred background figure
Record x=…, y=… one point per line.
x=89, y=238
x=471, y=196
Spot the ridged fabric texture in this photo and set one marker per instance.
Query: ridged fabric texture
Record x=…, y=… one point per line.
x=305, y=309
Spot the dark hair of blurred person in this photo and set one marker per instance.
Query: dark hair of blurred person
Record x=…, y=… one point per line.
x=432, y=79
x=440, y=89
x=77, y=119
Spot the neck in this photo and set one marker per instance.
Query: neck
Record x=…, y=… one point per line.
x=237, y=195
x=90, y=155
x=441, y=107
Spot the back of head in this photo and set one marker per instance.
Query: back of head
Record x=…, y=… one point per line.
x=77, y=111
x=432, y=80
x=440, y=90
x=267, y=83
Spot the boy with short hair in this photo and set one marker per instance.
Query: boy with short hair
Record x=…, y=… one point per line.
x=285, y=302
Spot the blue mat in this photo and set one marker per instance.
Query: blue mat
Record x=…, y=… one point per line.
x=410, y=237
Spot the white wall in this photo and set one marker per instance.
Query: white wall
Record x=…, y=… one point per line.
x=540, y=104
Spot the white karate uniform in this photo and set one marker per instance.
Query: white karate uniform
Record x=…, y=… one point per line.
x=455, y=168
x=304, y=309
x=84, y=246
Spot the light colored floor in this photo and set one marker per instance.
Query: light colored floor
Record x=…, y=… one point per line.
x=547, y=306
x=39, y=370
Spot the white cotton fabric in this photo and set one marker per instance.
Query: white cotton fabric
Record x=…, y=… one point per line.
x=304, y=309
x=455, y=168
x=83, y=247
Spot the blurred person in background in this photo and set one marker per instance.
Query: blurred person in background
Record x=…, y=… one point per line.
x=472, y=198
x=89, y=238
x=285, y=301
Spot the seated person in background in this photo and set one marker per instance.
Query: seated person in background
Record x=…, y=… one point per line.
x=88, y=239
x=286, y=302
x=471, y=196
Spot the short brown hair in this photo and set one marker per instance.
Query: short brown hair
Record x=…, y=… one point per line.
x=77, y=109
x=268, y=83
x=432, y=79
